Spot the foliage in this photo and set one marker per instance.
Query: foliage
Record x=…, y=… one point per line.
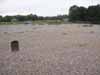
x=90, y=14
x=30, y=17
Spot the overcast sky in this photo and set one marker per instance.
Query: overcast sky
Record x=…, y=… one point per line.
x=41, y=7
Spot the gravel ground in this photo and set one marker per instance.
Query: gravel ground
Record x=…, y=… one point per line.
x=69, y=49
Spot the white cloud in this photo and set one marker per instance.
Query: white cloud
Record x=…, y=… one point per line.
x=41, y=7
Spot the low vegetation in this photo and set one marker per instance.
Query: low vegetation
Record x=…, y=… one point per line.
x=31, y=19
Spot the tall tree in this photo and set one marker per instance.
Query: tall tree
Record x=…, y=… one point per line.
x=73, y=12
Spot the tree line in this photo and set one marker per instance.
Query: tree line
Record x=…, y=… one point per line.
x=29, y=17
x=90, y=14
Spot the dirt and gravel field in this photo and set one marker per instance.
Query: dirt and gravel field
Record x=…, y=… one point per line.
x=68, y=49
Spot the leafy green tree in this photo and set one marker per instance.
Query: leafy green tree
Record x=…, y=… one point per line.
x=93, y=13
x=1, y=18
x=83, y=13
x=74, y=13
x=90, y=14
x=7, y=19
x=77, y=13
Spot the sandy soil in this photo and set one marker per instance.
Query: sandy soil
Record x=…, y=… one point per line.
x=69, y=49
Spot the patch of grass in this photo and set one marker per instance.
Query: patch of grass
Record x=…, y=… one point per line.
x=42, y=22
x=39, y=22
x=9, y=23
